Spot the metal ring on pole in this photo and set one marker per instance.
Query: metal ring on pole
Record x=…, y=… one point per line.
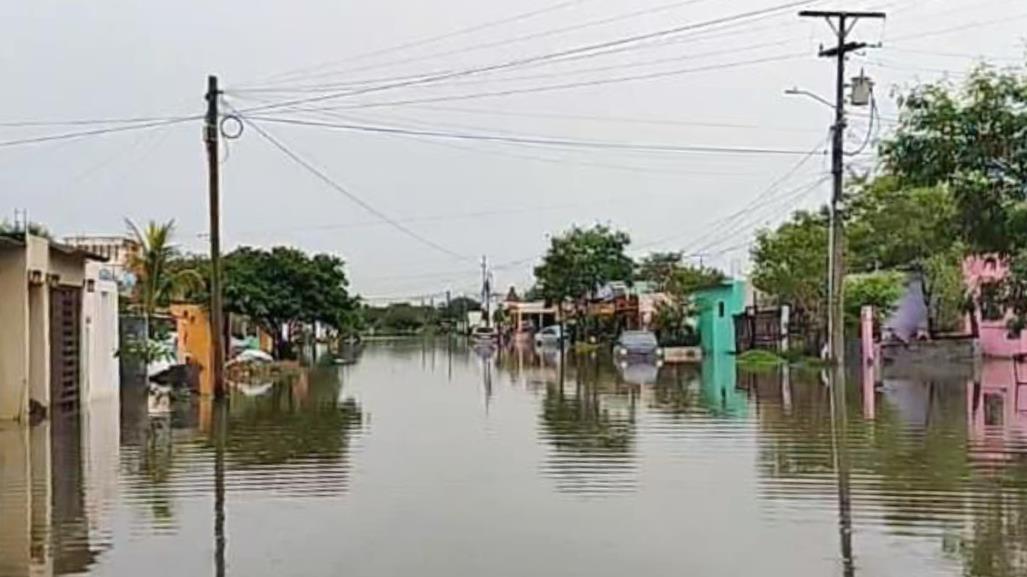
x=227, y=121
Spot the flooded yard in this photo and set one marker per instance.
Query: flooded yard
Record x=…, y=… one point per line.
x=428, y=458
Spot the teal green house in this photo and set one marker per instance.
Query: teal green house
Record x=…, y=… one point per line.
x=717, y=308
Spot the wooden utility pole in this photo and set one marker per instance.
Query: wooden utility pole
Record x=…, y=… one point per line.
x=486, y=291
x=842, y=23
x=217, y=332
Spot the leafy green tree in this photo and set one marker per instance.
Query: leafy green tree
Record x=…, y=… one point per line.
x=914, y=230
x=678, y=280
x=881, y=290
x=581, y=260
x=670, y=274
x=790, y=264
x=971, y=139
x=285, y=285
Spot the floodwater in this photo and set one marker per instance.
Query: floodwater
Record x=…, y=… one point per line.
x=430, y=459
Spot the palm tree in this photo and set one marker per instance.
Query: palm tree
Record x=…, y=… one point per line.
x=156, y=281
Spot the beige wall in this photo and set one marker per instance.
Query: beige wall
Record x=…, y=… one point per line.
x=39, y=344
x=71, y=268
x=14, y=319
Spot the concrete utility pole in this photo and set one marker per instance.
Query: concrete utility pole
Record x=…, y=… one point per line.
x=842, y=23
x=217, y=331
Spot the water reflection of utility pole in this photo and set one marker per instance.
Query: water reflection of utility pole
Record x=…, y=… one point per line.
x=840, y=442
x=486, y=376
x=220, y=434
x=449, y=360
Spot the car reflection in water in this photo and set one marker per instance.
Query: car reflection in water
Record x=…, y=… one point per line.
x=640, y=371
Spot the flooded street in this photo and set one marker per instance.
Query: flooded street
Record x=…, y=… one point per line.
x=428, y=459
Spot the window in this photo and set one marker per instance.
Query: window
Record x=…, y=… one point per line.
x=720, y=309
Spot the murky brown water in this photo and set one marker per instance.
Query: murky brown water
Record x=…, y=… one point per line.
x=428, y=460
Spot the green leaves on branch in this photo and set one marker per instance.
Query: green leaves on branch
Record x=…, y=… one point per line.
x=972, y=139
x=581, y=260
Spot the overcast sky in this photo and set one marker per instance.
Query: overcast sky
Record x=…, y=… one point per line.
x=461, y=198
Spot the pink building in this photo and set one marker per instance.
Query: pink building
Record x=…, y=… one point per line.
x=982, y=275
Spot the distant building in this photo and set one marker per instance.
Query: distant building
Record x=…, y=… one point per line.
x=59, y=319
x=118, y=250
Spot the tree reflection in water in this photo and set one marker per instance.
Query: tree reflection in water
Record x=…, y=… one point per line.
x=590, y=426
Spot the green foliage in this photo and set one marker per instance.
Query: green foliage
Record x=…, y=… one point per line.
x=790, y=264
x=759, y=359
x=945, y=292
x=158, y=280
x=284, y=285
x=894, y=227
x=672, y=323
x=146, y=350
x=581, y=260
x=914, y=230
x=398, y=318
x=971, y=139
x=669, y=273
x=881, y=290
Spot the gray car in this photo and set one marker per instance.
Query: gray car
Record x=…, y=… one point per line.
x=637, y=344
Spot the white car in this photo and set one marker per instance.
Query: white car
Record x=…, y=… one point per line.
x=549, y=336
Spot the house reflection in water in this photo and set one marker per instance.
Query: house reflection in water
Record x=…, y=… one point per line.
x=58, y=481
x=997, y=410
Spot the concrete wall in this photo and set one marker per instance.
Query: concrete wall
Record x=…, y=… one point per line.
x=100, y=345
x=39, y=344
x=14, y=322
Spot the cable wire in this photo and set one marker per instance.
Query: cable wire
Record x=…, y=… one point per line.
x=538, y=140
x=94, y=132
x=629, y=40
x=431, y=39
x=350, y=195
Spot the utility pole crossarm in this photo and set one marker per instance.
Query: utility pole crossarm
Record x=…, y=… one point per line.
x=844, y=49
x=840, y=13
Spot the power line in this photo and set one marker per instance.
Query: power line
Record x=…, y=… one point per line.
x=701, y=36
x=562, y=74
x=94, y=121
x=350, y=195
x=94, y=132
x=432, y=39
x=612, y=119
x=530, y=36
x=765, y=194
x=564, y=86
x=537, y=140
x=629, y=40
x=784, y=204
x=961, y=27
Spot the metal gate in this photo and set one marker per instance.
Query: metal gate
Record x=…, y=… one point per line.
x=65, y=346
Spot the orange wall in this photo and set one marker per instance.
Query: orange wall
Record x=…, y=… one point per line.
x=194, y=340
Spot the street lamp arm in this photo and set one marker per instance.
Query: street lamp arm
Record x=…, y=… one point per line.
x=799, y=92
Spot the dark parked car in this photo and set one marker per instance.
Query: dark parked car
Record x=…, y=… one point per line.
x=637, y=344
